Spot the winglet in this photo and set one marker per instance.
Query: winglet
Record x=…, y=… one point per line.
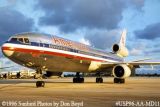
x=122, y=41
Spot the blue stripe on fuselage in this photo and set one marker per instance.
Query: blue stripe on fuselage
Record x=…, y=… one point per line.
x=66, y=49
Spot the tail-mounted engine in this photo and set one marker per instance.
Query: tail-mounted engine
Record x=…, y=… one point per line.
x=120, y=50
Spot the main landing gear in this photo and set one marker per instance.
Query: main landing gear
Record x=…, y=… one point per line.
x=99, y=79
x=78, y=79
x=38, y=75
x=119, y=80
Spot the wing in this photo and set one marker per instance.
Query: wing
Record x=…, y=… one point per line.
x=133, y=63
x=136, y=64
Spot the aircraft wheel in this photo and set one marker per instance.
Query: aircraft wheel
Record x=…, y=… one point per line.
x=82, y=80
x=122, y=80
x=74, y=80
x=40, y=84
x=78, y=80
x=118, y=80
x=99, y=80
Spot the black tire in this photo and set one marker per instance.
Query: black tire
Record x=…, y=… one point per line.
x=43, y=83
x=99, y=80
x=40, y=84
x=78, y=80
x=118, y=80
x=115, y=80
x=74, y=80
x=82, y=80
x=122, y=80
x=96, y=80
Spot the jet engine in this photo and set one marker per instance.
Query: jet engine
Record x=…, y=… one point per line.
x=120, y=50
x=121, y=71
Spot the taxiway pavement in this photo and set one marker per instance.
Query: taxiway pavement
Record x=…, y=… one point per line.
x=88, y=94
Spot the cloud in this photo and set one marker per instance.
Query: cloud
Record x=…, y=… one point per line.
x=103, y=39
x=152, y=51
x=0, y=52
x=137, y=4
x=74, y=14
x=84, y=41
x=135, y=52
x=69, y=16
x=5, y=62
x=144, y=48
x=12, y=22
x=99, y=18
x=149, y=32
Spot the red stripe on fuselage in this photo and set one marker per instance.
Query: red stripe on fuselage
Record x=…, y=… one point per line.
x=32, y=51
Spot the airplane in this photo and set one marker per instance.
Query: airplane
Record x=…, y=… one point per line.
x=54, y=55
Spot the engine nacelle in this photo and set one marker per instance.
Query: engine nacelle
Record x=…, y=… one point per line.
x=121, y=71
x=122, y=51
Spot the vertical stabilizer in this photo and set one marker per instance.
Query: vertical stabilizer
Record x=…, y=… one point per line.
x=120, y=49
x=122, y=41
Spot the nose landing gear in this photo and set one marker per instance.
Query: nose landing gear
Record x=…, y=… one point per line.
x=38, y=75
x=40, y=84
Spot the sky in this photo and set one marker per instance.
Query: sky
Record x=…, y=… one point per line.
x=98, y=23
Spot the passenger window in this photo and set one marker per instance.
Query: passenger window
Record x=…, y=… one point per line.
x=26, y=40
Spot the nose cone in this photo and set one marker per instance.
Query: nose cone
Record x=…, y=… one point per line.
x=7, y=50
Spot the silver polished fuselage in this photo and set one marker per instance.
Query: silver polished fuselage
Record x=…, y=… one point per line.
x=51, y=53
x=49, y=62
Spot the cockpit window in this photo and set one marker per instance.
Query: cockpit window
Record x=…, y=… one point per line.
x=26, y=40
x=13, y=39
x=20, y=40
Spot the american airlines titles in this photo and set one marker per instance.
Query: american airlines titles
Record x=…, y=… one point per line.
x=63, y=42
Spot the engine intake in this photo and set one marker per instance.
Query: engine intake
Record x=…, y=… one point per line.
x=120, y=50
x=121, y=71
x=115, y=48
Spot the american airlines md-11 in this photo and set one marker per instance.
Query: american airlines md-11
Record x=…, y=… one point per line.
x=55, y=55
